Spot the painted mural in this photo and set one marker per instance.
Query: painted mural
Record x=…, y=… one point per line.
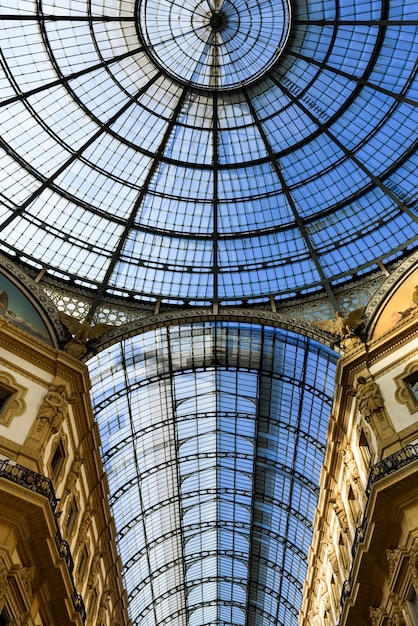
x=401, y=304
x=19, y=310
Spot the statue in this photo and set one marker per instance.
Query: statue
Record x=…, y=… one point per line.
x=85, y=525
x=349, y=462
x=73, y=474
x=369, y=399
x=415, y=296
x=95, y=568
x=338, y=507
x=54, y=407
x=101, y=616
x=83, y=332
x=343, y=327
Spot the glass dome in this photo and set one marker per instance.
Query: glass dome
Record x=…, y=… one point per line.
x=197, y=152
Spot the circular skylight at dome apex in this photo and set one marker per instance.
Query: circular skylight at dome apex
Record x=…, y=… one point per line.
x=214, y=44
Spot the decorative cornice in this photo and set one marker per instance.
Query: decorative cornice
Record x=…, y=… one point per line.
x=181, y=316
x=23, y=372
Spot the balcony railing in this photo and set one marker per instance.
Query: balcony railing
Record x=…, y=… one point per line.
x=391, y=464
x=385, y=467
x=359, y=536
x=41, y=484
x=29, y=479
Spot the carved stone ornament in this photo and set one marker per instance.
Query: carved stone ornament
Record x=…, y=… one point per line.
x=376, y=615
x=413, y=564
x=51, y=414
x=26, y=575
x=14, y=405
x=349, y=461
x=338, y=506
x=371, y=406
x=313, y=618
x=407, y=387
x=95, y=568
x=3, y=579
x=85, y=525
x=397, y=620
x=393, y=557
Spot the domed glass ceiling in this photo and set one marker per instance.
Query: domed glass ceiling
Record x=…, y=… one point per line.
x=208, y=151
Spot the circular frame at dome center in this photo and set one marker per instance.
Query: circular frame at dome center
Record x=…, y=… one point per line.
x=216, y=47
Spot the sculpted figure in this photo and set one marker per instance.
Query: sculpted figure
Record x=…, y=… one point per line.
x=349, y=462
x=369, y=398
x=82, y=331
x=54, y=407
x=338, y=507
x=342, y=326
x=85, y=525
x=73, y=474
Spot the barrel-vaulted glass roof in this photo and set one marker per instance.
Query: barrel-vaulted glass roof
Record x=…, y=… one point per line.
x=221, y=150
x=213, y=438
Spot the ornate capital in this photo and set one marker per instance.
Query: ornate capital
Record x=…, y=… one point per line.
x=376, y=615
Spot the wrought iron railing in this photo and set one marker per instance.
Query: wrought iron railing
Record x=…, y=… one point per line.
x=359, y=536
x=347, y=589
x=385, y=467
x=41, y=484
x=29, y=479
x=391, y=464
x=64, y=551
x=79, y=605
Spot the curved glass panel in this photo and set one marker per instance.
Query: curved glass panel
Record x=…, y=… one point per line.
x=208, y=151
x=213, y=438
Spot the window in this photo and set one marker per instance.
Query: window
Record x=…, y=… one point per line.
x=412, y=606
x=5, y=619
x=92, y=604
x=12, y=403
x=82, y=565
x=407, y=387
x=57, y=460
x=70, y=520
x=5, y=395
x=366, y=454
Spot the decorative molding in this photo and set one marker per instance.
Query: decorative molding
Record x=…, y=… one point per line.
x=62, y=440
x=376, y=615
x=23, y=372
x=14, y=405
x=407, y=387
x=191, y=316
x=393, y=558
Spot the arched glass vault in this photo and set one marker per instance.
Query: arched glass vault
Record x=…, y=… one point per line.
x=213, y=437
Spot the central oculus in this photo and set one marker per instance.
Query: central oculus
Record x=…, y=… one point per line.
x=214, y=46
